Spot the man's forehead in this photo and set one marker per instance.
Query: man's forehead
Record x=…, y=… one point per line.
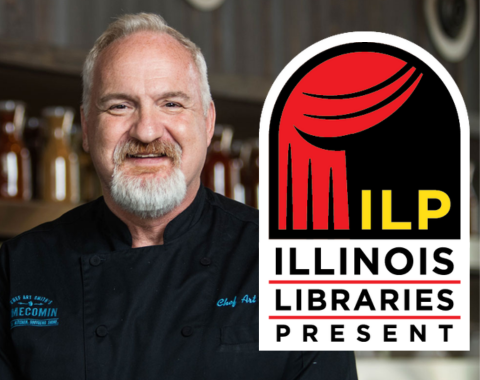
x=149, y=52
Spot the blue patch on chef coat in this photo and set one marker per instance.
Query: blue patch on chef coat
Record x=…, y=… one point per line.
x=30, y=310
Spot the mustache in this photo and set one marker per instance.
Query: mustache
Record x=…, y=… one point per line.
x=161, y=147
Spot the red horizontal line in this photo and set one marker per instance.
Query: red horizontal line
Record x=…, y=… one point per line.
x=364, y=317
x=364, y=282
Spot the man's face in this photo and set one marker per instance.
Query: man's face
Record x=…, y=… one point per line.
x=146, y=89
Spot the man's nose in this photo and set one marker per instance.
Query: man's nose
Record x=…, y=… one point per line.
x=148, y=126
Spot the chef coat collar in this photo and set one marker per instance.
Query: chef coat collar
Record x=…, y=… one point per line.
x=186, y=219
x=121, y=237
x=116, y=230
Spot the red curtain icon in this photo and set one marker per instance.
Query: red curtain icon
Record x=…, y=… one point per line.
x=342, y=96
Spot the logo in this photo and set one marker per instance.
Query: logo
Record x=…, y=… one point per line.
x=364, y=156
x=37, y=311
x=357, y=132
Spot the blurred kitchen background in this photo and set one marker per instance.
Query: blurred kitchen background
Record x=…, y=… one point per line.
x=246, y=44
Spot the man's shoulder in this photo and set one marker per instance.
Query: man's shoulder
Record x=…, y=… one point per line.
x=232, y=208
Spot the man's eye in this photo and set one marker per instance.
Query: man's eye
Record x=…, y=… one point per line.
x=118, y=107
x=172, y=105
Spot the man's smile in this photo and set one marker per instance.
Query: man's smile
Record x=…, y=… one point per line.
x=153, y=159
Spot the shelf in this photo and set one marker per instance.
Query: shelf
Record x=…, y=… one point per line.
x=17, y=217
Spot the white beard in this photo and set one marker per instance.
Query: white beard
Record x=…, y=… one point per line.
x=148, y=198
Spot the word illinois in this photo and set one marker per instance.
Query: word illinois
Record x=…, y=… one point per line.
x=361, y=260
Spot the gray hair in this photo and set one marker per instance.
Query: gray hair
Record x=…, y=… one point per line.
x=132, y=23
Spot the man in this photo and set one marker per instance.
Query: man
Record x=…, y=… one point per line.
x=159, y=278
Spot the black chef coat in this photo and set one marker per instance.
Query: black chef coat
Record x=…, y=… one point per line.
x=77, y=302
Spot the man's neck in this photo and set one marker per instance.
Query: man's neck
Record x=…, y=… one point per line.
x=149, y=231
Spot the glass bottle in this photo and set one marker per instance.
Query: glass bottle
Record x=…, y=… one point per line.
x=254, y=167
x=15, y=176
x=236, y=167
x=90, y=187
x=216, y=173
x=60, y=162
x=34, y=140
x=245, y=174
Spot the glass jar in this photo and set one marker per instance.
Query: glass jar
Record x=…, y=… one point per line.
x=254, y=172
x=60, y=162
x=34, y=140
x=90, y=187
x=217, y=174
x=15, y=175
x=237, y=169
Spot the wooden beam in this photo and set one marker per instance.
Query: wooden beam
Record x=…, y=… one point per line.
x=42, y=57
x=70, y=61
x=239, y=87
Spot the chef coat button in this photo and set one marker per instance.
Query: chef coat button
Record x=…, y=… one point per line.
x=205, y=261
x=101, y=331
x=187, y=331
x=95, y=261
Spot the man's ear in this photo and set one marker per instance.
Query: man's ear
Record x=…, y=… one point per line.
x=210, y=122
x=83, y=120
